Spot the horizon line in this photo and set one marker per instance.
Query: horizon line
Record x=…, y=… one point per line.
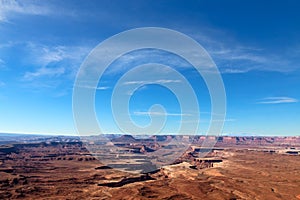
x=161, y=134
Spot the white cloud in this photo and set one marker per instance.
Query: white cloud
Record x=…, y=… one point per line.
x=241, y=61
x=102, y=88
x=95, y=88
x=144, y=83
x=208, y=120
x=140, y=57
x=225, y=120
x=163, y=81
x=160, y=113
x=235, y=70
x=278, y=100
x=231, y=56
x=44, y=71
x=9, y=8
x=44, y=55
x=54, y=54
x=54, y=61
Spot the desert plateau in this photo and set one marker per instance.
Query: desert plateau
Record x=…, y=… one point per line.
x=236, y=168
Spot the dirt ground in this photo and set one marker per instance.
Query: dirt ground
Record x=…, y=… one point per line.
x=243, y=174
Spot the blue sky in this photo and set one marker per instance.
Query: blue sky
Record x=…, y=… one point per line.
x=255, y=45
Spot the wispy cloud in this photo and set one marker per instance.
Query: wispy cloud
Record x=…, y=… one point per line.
x=54, y=61
x=52, y=54
x=208, y=120
x=44, y=55
x=44, y=71
x=225, y=120
x=235, y=58
x=51, y=68
x=278, y=100
x=95, y=88
x=144, y=84
x=141, y=113
x=243, y=61
x=152, y=82
x=146, y=56
x=8, y=8
x=233, y=70
x=232, y=56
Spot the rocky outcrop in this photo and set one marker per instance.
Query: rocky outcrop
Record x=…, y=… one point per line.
x=126, y=181
x=124, y=138
x=250, y=140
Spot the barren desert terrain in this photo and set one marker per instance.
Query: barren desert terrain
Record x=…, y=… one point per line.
x=66, y=170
